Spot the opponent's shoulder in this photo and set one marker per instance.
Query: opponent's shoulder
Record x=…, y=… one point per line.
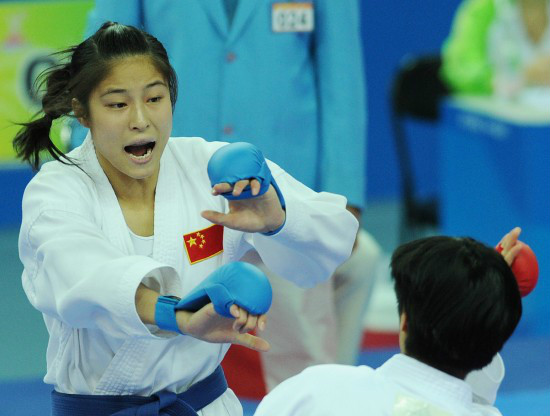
x=485, y=410
x=321, y=389
x=329, y=376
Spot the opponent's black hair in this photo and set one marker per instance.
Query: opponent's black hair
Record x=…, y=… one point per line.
x=87, y=64
x=460, y=299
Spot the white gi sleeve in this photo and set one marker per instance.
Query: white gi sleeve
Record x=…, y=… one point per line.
x=317, y=237
x=72, y=272
x=486, y=381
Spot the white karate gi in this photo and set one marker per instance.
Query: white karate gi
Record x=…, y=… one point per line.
x=486, y=381
x=402, y=386
x=81, y=270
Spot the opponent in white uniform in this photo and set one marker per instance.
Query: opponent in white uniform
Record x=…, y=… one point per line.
x=458, y=302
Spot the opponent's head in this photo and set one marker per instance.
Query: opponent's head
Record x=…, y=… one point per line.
x=458, y=300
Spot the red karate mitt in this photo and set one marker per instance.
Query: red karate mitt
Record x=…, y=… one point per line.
x=525, y=268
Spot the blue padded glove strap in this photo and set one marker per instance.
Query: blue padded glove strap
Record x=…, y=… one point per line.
x=276, y=230
x=165, y=313
x=283, y=205
x=236, y=283
x=238, y=161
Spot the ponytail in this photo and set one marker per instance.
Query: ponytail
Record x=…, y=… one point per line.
x=34, y=136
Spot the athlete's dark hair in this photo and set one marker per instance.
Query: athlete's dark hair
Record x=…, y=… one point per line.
x=461, y=302
x=86, y=65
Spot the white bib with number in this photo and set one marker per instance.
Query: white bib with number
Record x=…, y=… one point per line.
x=292, y=17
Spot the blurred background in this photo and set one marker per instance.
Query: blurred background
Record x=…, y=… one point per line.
x=475, y=167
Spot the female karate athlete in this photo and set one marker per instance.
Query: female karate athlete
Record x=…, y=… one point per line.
x=114, y=228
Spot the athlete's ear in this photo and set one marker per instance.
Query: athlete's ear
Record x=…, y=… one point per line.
x=403, y=327
x=403, y=322
x=80, y=113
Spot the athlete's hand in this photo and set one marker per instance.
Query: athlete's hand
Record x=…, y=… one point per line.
x=240, y=173
x=207, y=325
x=511, y=246
x=258, y=214
x=521, y=259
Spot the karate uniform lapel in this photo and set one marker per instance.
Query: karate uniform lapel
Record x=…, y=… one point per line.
x=243, y=13
x=168, y=247
x=216, y=13
x=118, y=378
x=114, y=225
x=167, y=239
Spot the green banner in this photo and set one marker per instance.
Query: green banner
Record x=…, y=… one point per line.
x=29, y=33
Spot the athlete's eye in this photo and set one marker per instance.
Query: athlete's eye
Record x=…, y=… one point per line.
x=117, y=105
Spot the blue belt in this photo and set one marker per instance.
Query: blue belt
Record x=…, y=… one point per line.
x=162, y=403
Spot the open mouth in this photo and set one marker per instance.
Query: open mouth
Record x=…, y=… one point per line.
x=140, y=150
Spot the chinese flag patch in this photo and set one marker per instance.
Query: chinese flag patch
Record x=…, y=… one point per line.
x=203, y=244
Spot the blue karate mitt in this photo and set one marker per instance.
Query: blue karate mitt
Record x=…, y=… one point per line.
x=239, y=283
x=238, y=161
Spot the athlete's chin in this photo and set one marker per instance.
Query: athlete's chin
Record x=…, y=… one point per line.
x=142, y=174
x=141, y=171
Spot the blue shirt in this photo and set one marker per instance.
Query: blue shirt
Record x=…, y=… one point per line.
x=299, y=96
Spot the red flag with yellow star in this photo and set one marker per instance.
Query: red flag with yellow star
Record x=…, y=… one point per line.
x=203, y=244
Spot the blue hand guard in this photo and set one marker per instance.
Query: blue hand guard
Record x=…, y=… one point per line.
x=238, y=161
x=236, y=283
x=165, y=313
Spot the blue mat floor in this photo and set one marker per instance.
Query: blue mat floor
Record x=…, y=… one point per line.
x=524, y=392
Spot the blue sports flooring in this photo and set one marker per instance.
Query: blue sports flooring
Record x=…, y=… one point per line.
x=524, y=392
